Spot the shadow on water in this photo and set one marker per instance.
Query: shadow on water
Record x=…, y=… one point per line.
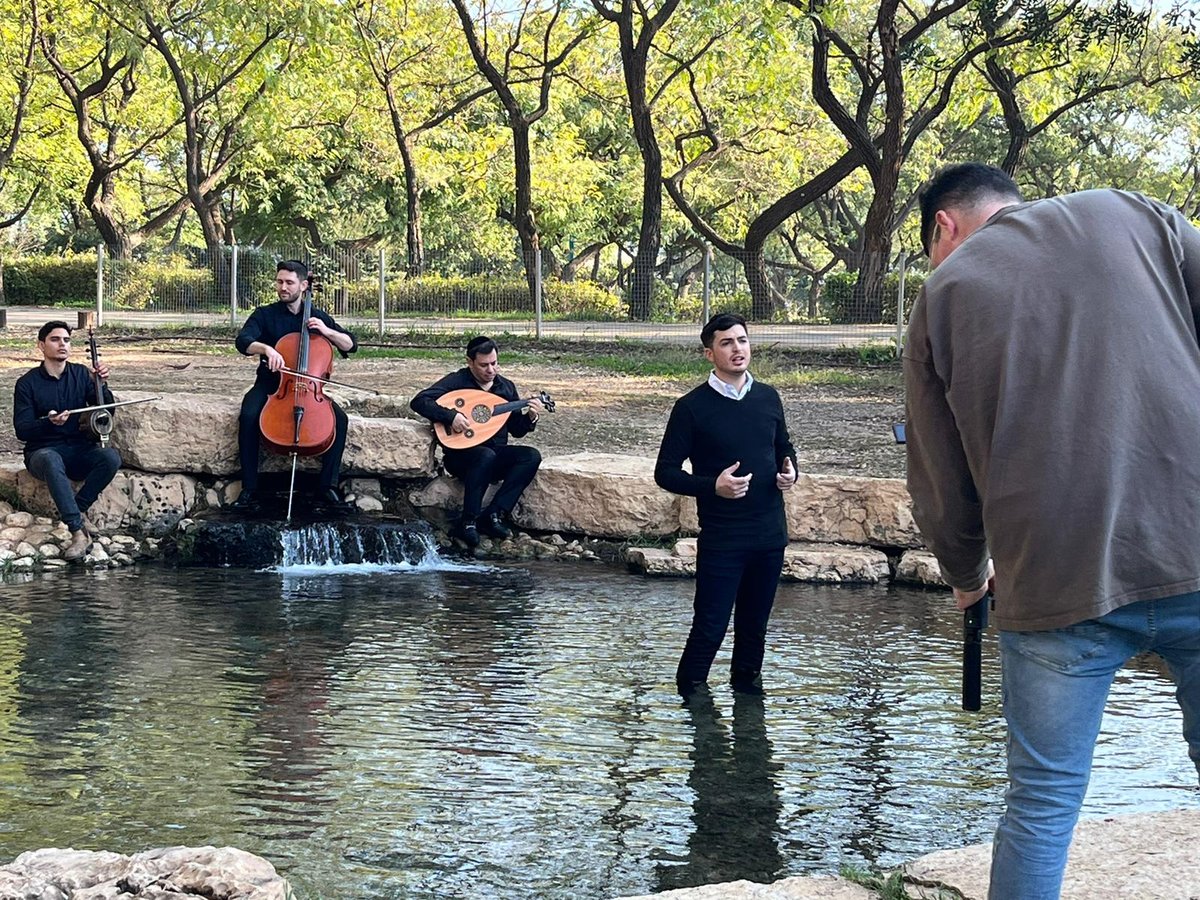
x=438, y=729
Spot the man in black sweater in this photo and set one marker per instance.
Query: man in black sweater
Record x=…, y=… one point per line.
x=732, y=429
x=260, y=334
x=57, y=449
x=495, y=459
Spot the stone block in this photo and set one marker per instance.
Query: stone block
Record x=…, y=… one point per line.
x=814, y=563
x=600, y=494
x=920, y=567
x=182, y=433
x=841, y=510
x=143, y=502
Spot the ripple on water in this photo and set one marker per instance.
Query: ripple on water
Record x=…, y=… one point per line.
x=451, y=730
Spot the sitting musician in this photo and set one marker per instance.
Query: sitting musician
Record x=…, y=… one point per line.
x=495, y=459
x=262, y=331
x=57, y=449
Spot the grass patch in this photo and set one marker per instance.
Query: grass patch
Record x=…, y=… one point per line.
x=891, y=886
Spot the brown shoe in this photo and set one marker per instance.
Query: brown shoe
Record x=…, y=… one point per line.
x=78, y=546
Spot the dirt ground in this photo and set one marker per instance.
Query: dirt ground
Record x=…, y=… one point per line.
x=836, y=429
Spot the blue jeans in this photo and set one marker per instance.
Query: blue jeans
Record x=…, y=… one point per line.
x=57, y=466
x=737, y=582
x=1055, y=687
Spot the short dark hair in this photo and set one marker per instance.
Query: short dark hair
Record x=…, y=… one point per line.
x=480, y=346
x=297, y=268
x=963, y=185
x=44, y=331
x=720, y=322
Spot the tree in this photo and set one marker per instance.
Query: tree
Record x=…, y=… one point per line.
x=521, y=66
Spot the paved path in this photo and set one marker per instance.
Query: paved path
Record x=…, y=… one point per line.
x=825, y=337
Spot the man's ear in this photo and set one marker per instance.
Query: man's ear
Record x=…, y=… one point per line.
x=948, y=222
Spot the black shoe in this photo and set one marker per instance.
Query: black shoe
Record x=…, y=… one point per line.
x=691, y=689
x=331, y=498
x=245, y=502
x=752, y=686
x=493, y=526
x=468, y=534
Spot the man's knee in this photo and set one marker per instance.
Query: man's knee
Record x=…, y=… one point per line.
x=109, y=461
x=45, y=462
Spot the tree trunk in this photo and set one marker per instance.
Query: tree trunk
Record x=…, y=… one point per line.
x=523, y=218
x=414, y=239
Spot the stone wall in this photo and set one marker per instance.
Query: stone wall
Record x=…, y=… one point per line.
x=179, y=453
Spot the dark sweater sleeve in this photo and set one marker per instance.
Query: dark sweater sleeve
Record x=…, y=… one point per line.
x=251, y=332
x=518, y=423
x=328, y=320
x=783, y=441
x=25, y=419
x=425, y=403
x=675, y=448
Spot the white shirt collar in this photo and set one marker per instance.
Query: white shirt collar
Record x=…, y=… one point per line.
x=725, y=389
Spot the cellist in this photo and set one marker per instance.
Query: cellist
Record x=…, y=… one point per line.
x=262, y=331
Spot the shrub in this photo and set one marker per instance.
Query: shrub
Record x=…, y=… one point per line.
x=50, y=280
x=838, y=299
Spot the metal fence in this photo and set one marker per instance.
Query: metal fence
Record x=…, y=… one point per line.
x=374, y=289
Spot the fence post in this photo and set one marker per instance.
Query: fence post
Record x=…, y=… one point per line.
x=537, y=293
x=382, y=286
x=99, y=285
x=707, y=282
x=233, y=281
x=900, y=303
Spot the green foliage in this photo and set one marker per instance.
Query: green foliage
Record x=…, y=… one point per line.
x=165, y=283
x=838, y=299
x=459, y=294
x=50, y=280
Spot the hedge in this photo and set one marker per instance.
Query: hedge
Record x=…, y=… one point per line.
x=837, y=299
x=50, y=280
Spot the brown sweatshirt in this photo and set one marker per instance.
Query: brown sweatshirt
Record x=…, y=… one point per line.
x=1053, y=392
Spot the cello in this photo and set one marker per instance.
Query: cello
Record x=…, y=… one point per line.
x=298, y=418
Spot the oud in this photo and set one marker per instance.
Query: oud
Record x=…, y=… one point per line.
x=485, y=412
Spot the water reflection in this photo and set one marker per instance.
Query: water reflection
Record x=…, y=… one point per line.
x=737, y=806
x=507, y=733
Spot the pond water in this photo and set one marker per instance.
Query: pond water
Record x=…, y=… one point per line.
x=512, y=732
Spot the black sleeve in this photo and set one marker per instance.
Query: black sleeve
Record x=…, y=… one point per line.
x=328, y=320
x=425, y=403
x=675, y=448
x=783, y=441
x=518, y=424
x=25, y=415
x=252, y=331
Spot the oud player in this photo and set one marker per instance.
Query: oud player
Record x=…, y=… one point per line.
x=494, y=460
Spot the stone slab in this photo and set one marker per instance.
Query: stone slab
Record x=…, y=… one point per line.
x=920, y=567
x=840, y=510
x=800, y=888
x=813, y=563
x=183, y=433
x=599, y=494
x=1145, y=855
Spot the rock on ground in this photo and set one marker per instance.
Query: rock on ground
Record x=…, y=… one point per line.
x=1145, y=856
x=164, y=874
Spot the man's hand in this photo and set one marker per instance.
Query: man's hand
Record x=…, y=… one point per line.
x=785, y=479
x=58, y=418
x=963, y=599
x=102, y=370
x=534, y=409
x=460, y=423
x=315, y=324
x=733, y=487
x=275, y=360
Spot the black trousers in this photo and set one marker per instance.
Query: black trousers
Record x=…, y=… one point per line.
x=249, y=439
x=741, y=582
x=477, y=467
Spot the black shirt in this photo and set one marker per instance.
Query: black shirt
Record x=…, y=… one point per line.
x=271, y=322
x=425, y=404
x=715, y=431
x=37, y=392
